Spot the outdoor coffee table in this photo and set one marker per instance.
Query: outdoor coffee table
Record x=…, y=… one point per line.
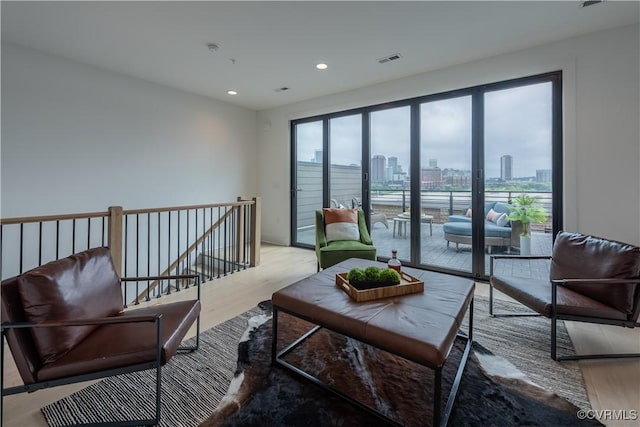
x=420, y=327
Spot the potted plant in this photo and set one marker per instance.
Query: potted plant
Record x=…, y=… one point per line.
x=527, y=209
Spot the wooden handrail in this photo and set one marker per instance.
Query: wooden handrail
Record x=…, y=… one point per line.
x=184, y=208
x=46, y=218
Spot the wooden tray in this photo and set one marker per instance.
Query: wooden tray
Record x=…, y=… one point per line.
x=408, y=285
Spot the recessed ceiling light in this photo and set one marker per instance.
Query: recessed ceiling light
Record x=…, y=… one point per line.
x=321, y=66
x=232, y=92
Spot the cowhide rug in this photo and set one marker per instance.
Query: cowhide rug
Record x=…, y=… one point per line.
x=492, y=391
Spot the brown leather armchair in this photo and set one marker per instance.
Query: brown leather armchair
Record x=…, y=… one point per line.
x=65, y=323
x=592, y=279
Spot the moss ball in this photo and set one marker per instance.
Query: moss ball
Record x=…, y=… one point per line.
x=372, y=274
x=356, y=275
x=389, y=276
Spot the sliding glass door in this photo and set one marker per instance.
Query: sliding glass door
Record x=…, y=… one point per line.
x=389, y=173
x=307, y=180
x=518, y=164
x=445, y=183
x=440, y=175
x=345, y=158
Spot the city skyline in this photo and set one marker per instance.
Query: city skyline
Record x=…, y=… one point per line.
x=517, y=123
x=398, y=169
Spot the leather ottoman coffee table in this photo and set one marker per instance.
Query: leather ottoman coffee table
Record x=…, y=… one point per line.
x=420, y=327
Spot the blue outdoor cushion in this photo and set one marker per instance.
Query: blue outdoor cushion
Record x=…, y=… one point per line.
x=464, y=229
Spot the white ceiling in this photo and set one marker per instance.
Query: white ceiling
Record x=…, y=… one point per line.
x=277, y=44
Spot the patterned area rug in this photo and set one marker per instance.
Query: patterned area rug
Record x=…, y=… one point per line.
x=195, y=383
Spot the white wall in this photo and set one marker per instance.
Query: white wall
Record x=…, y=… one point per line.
x=601, y=137
x=77, y=138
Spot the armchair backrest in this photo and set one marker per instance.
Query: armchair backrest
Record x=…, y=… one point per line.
x=82, y=286
x=580, y=256
x=321, y=238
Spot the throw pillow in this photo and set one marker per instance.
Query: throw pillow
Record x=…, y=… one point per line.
x=469, y=213
x=341, y=224
x=502, y=220
x=492, y=215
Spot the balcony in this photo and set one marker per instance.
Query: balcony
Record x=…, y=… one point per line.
x=434, y=250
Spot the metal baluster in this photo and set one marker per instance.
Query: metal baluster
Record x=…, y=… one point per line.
x=73, y=236
x=226, y=239
x=88, y=233
x=247, y=233
x=126, y=245
x=159, y=243
x=21, y=246
x=177, y=253
x=148, y=253
x=211, y=240
x=137, y=258
x=40, y=243
x=168, y=250
x=203, y=245
x=1, y=264
x=58, y=239
x=218, y=258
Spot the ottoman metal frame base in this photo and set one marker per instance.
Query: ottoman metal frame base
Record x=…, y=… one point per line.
x=439, y=419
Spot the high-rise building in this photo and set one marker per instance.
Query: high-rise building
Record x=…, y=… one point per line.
x=318, y=157
x=393, y=164
x=433, y=163
x=506, y=167
x=543, y=175
x=378, y=168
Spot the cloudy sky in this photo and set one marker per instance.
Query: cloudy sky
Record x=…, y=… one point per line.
x=517, y=122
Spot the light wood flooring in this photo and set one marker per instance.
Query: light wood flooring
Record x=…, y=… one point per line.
x=611, y=385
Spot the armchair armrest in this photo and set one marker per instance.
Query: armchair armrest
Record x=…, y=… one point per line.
x=321, y=239
x=83, y=322
x=603, y=281
x=518, y=257
x=153, y=318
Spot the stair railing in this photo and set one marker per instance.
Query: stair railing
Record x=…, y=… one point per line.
x=212, y=239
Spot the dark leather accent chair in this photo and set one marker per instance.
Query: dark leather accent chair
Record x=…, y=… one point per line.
x=592, y=280
x=65, y=322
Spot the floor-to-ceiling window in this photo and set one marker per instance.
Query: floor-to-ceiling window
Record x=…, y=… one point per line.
x=390, y=142
x=307, y=194
x=518, y=148
x=345, y=151
x=445, y=180
x=438, y=175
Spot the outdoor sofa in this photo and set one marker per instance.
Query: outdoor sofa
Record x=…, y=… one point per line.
x=458, y=228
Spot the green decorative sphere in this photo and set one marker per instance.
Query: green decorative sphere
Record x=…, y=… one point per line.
x=372, y=274
x=356, y=275
x=389, y=276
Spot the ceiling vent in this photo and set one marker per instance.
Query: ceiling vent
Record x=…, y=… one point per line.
x=282, y=89
x=389, y=58
x=587, y=3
